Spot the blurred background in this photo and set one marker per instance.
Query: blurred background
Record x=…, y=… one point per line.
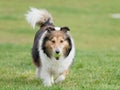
x=90, y=22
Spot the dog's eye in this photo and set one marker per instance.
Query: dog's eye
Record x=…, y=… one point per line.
x=53, y=41
x=61, y=41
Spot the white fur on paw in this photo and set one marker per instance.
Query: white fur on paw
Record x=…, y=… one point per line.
x=48, y=84
x=59, y=79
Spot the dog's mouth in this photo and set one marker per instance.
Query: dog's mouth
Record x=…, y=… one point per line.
x=57, y=58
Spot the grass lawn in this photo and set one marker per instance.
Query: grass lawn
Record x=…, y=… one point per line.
x=96, y=35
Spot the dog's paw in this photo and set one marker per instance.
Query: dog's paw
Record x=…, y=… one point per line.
x=60, y=79
x=47, y=84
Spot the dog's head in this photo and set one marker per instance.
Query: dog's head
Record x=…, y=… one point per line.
x=57, y=43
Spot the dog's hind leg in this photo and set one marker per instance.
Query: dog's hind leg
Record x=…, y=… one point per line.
x=61, y=77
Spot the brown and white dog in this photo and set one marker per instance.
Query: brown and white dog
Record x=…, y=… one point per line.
x=53, y=49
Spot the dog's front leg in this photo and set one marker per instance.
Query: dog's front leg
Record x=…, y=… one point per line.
x=47, y=78
x=61, y=77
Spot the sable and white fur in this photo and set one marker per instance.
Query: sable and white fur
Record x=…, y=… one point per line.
x=48, y=68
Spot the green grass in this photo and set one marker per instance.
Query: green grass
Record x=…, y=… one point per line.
x=96, y=35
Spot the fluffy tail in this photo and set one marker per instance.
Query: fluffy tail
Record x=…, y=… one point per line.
x=38, y=17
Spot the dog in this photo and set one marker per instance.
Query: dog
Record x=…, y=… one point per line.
x=53, y=48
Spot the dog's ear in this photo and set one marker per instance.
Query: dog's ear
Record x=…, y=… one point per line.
x=49, y=29
x=65, y=29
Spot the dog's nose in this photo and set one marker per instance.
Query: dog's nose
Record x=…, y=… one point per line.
x=57, y=51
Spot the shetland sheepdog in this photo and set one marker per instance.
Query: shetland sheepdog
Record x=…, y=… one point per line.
x=53, y=48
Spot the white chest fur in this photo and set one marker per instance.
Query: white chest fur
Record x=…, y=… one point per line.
x=55, y=67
